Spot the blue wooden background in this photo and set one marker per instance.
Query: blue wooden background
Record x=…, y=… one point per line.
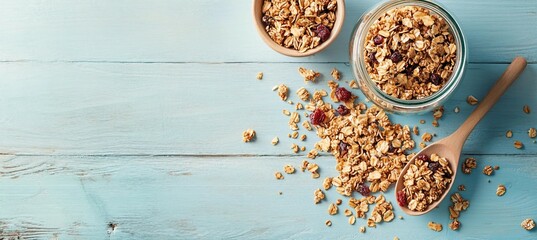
x=130, y=112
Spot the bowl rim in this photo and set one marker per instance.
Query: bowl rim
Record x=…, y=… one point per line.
x=338, y=25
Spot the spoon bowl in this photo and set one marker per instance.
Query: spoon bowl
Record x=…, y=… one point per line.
x=451, y=146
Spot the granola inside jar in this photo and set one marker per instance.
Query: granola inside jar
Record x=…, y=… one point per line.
x=408, y=55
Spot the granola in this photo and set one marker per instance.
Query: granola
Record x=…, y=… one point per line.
x=332, y=209
x=526, y=109
x=528, y=224
x=469, y=164
x=248, y=135
x=289, y=169
x=335, y=74
x=367, y=147
x=518, y=145
x=308, y=74
x=299, y=25
x=278, y=175
x=458, y=205
x=410, y=52
x=532, y=133
x=283, y=91
x=472, y=100
x=425, y=181
x=500, y=191
x=488, y=170
x=303, y=94
x=435, y=226
x=318, y=195
x=259, y=75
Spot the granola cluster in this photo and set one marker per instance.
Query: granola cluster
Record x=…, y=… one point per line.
x=458, y=205
x=425, y=181
x=368, y=147
x=410, y=52
x=300, y=24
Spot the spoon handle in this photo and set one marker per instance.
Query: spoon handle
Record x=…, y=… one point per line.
x=508, y=77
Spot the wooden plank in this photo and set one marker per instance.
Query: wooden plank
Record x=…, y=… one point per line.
x=220, y=31
x=57, y=108
x=65, y=197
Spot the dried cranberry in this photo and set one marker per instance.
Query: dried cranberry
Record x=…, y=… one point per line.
x=317, y=117
x=343, y=148
x=423, y=157
x=396, y=57
x=378, y=40
x=343, y=94
x=372, y=57
x=391, y=149
x=410, y=69
x=435, y=79
x=363, y=189
x=342, y=110
x=322, y=32
x=266, y=20
x=433, y=166
x=401, y=198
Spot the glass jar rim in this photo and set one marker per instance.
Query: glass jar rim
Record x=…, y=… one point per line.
x=357, y=48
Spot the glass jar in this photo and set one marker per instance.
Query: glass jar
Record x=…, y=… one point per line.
x=372, y=91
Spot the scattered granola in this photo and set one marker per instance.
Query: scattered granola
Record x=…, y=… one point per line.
x=518, y=144
x=461, y=187
x=532, y=133
x=283, y=91
x=416, y=130
x=469, y=164
x=289, y=169
x=425, y=181
x=410, y=52
x=422, y=121
x=293, y=135
x=303, y=94
x=295, y=148
x=248, y=135
x=458, y=205
x=286, y=112
x=313, y=154
x=509, y=134
x=339, y=201
x=275, y=140
x=347, y=213
x=327, y=183
x=308, y=74
x=488, y=170
x=435, y=226
x=259, y=75
x=307, y=126
x=299, y=25
x=278, y=175
x=427, y=137
x=528, y=224
x=303, y=137
x=352, y=220
x=318, y=196
x=328, y=223
x=367, y=147
x=299, y=106
x=362, y=229
x=454, y=225
x=332, y=209
x=335, y=74
x=500, y=191
x=526, y=109
x=471, y=100
x=353, y=84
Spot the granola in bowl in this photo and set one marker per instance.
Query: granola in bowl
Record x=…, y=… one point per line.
x=299, y=27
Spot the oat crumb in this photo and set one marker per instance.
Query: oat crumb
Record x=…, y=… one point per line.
x=528, y=224
x=248, y=135
x=259, y=75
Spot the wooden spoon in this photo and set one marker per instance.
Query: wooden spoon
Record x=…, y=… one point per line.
x=451, y=146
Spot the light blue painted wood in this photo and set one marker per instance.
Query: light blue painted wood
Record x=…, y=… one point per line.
x=220, y=31
x=86, y=144
x=231, y=198
x=52, y=108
